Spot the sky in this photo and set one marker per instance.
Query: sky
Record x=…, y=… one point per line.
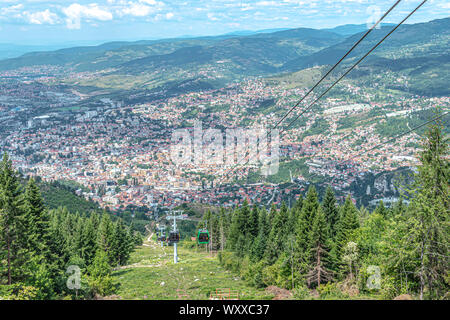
x=45, y=22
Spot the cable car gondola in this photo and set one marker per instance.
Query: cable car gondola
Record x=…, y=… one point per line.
x=203, y=236
x=174, y=237
x=162, y=237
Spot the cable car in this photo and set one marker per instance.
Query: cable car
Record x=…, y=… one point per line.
x=174, y=237
x=162, y=237
x=203, y=236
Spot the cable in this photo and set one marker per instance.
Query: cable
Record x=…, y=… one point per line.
x=337, y=63
x=354, y=66
x=394, y=138
x=403, y=134
x=346, y=73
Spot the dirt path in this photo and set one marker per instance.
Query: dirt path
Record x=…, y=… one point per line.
x=152, y=244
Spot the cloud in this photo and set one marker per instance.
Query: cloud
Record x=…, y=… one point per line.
x=75, y=12
x=141, y=9
x=151, y=2
x=138, y=10
x=11, y=9
x=212, y=17
x=42, y=17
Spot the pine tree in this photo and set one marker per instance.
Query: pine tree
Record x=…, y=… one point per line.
x=100, y=279
x=278, y=235
x=11, y=222
x=428, y=217
x=36, y=222
x=319, y=270
x=348, y=223
x=303, y=228
x=330, y=210
x=253, y=224
x=259, y=245
x=381, y=209
x=105, y=236
x=120, y=247
x=239, y=229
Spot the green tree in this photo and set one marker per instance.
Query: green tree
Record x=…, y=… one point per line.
x=100, y=279
x=428, y=217
x=278, y=235
x=11, y=222
x=331, y=211
x=319, y=262
x=346, y=231
x=303, y=229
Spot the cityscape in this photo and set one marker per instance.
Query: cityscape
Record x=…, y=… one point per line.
x=235, y=150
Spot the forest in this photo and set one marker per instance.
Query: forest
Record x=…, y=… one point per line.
x=55, y=254
x=338, y=249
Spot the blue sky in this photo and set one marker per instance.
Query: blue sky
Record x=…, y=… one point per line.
x=47, y=22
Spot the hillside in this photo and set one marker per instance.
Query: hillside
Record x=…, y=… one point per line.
x=173, y=66
x=419, y=51
x=297, y=42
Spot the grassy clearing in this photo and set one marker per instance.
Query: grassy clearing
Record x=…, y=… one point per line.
x=153, y=275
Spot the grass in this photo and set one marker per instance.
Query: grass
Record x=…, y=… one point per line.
x=153, y=275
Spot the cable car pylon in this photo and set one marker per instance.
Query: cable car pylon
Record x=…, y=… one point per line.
x=162, y=235
x=174, y=235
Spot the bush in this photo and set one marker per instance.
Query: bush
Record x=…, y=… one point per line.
x=18, y=292
x=301, y=293
x=330, y=290
x=270, y=274
x=189, y=244
x=229, y=261
x=252, y=273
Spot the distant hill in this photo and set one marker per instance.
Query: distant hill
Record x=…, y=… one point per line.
x=350, y=29
x=298, y=42
x=250, y=55
x=420, y=51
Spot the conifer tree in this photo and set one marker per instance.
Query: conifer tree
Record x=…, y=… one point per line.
x=278, y=235
x=348, y=223
x=331, y=211
x=36, y=221
x=303, y=228
x=239, y=229
x=120, y=245
x=89, y=240
x=381, y=209
x=105, y=236
x=428, y=217
x=11, y=222
x=259, y=245
x=319, y=262
x=253, y=224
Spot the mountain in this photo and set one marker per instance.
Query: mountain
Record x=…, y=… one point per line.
x=419, y=51
x=350, y=29
x=114, y=54
x=250, y=55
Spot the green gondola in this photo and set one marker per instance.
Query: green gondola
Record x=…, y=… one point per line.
x=203, y=236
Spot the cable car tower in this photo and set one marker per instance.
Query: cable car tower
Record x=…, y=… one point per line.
x=162, y=235
x=174, y=235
